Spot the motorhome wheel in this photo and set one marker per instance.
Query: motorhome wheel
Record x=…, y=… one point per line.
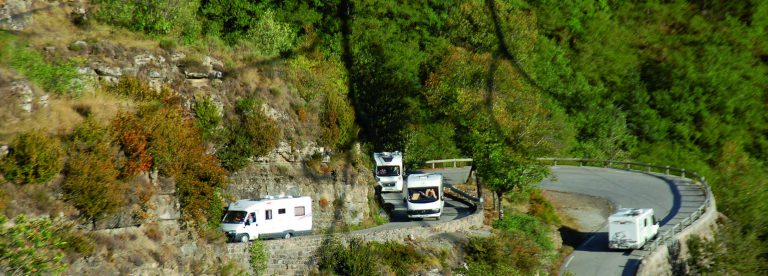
x=287, y=236
x=244, y=238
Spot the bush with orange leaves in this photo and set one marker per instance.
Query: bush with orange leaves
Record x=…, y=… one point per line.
x=128, y=132
x=177, y=150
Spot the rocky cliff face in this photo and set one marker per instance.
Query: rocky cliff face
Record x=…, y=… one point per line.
x=157, y=243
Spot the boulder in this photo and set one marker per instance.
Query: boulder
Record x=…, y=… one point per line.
x=108, y=71
x=15, y=15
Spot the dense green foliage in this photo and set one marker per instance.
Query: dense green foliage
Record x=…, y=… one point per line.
x=33, y=158
x=57, y=76
x=31, y=246
x=154, y=16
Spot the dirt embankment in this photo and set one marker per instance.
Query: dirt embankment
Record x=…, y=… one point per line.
x=581, y=214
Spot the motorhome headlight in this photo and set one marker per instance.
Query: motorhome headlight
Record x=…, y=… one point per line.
x=436, y=210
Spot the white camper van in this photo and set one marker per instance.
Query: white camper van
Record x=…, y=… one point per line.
x=389, y=170
x=269, y=217
x=424, y=196
x=631, y=228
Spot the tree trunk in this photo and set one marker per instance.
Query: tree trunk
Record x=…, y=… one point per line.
x=500, y=196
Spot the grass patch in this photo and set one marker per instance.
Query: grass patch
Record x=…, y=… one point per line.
x=59, y=77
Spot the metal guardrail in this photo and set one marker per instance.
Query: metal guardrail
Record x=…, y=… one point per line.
x=454, y=161
x=477, y=203
x=663, y=238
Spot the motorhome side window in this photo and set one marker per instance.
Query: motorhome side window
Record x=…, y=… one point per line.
x=298, y=211
x=645, y=222
x=281, y=211
x=268, y=214
x=253, y=217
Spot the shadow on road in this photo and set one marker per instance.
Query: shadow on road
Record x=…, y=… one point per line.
x=676, y=199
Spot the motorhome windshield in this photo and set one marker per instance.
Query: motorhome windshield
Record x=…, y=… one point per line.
x=388, y=171
x=234, y=217
x=423, y=195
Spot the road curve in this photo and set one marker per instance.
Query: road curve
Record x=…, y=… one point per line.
x=672, y=198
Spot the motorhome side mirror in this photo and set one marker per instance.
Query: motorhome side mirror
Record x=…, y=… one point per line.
x=247, y=223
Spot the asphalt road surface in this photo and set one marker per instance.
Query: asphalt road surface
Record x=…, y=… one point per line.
x=672, y=198
x=452, y=210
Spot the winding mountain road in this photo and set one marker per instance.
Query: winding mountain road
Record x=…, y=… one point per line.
x=672, y=198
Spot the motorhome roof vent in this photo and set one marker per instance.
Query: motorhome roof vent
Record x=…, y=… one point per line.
x=634, y=212
x=387, y=157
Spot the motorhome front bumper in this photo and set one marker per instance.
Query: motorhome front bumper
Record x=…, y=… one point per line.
x=389, y=186
x=426, y=213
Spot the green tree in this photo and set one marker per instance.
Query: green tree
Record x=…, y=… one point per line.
x=33, y=158
x=506, y=123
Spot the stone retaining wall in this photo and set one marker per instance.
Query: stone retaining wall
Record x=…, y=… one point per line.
x=659, y=261
x=296, y=256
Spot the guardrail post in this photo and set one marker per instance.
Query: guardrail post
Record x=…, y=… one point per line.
x=683, y=176
x=648, y=168
x=629, y=166
x=554, y=162
x=581, y=163
x=454, y=163
x=667, y=169
x=433, y=165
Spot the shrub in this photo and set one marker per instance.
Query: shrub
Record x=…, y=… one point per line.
x=207, y=117
x=509, y=253
x=33, y=158
x=259, y=257
x=542, y=209
x=250, y=133
x=402, y=259
x=527, y=225
x=91, y=185
x=79, y=243
x=31, y=246
x=232, y=268
x=138, y=90
x=354, y=258
x=130, y=134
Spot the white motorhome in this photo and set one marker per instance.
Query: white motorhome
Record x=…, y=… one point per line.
x=269, y=217
x=424, y=196
x=631, y=228
x=389, y=170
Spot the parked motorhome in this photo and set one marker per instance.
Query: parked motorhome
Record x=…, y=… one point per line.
x=269, y=217
x=389, y=171
x=423, y=195
x=631, y=228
